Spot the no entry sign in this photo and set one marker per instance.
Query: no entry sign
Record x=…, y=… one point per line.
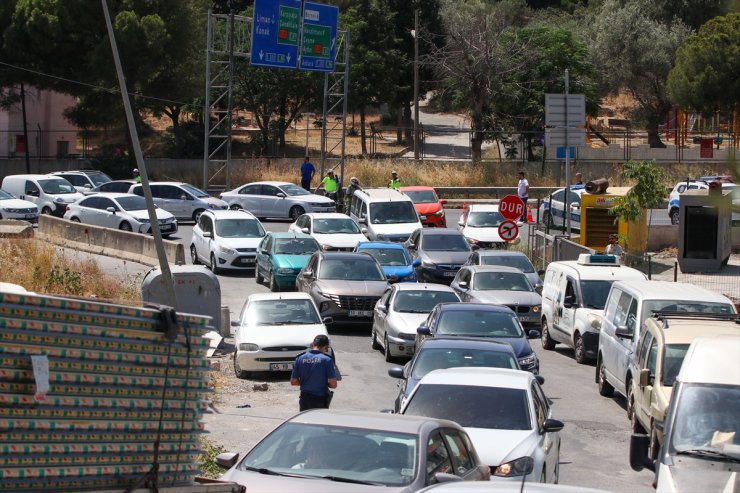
x=511, y=207
x=508, y=230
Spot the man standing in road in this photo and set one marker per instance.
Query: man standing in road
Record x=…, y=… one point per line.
x=314, y=372
x=330, y=184
x=307, y=172
x=522, y=190
x=137, y=176
x=395, y=182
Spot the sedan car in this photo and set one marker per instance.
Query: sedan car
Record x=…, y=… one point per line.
x=226, y=240
x=326, y=451
x=512, y=258
x=400, y=311
x=479, y=225
x=441, y=253
x=277, y=199
x=13, y=208
x=552, y=208
x=442, y=353
x=506, y=414
x=500, y=285
x=427, y=205
x=281, y=256
x=272, y=330
x=393, y=258
x=122, y=211
x=344, y=285
x=335, y=232
x=484, y=321
x=183, y=200
x=117, y=186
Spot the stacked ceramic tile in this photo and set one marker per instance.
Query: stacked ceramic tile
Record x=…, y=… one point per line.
x=117, y=385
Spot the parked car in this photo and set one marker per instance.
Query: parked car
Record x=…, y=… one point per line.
x=122, y=211
x=272, y=330
x=326, y=451
x=506, y=414
x=484, y=321
x=50, y=193
x=388, y=214
x=552, y=209
x=511, y=258
x=674, y=198
x=84, y=180
x=441, y=253
x=428, y=205
x=400, y=311
x=507, y=487
x=392, y=257
x=344, y=285
x=226, y=240
x=479, y=225
x=117, y=186
x=442, y=353
x=499, y=285
x=277, y=199
x=183, y=200
x=281, y=256
x=334, y=231
x=13, y=208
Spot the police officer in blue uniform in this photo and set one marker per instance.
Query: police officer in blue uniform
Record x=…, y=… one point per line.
x=314, y=372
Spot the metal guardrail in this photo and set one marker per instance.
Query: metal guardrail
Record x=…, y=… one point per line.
x=494, y=192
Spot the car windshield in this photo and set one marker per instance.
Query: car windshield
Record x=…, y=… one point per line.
x=422, y=301
x=491, y=219
x=393, y=212
x=595, y=293
x=501, y=281
x=479, y=323
x=430, y=359
x=355, y=455
x=520, y=262
x=293, y=190
x=5, y=195
x=473, y=406
x=673, y=356
x=99, y=178
x=387, y=257
x=296, y=246
x=282, y=312
x=331, y=226
x=683, y=306
x=132, y=203
x=706, y=422
x=239, y=228
x=196, y=192
x=422, y=196
x=444, y=243
x=57, y=186
x=351, y=270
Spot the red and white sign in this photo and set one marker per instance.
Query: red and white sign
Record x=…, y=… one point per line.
x=511, y=207
x=508, y=230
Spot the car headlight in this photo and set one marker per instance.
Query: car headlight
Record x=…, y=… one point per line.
x=225, y=249
x=214, y=206
x=528, y=360
x=326, y=248
x=439, y=213
x=536, y=308
x=428, y=264
x=517, y=467
x=246, y=346
x=144, y=220
x=472, y=241
x=285, y=270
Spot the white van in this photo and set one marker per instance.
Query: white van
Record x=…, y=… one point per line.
x=573, y=297
x=50, y=193
x=388, y=214
x=628, y=306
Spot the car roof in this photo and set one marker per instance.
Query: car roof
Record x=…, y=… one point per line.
x=417, y=188
x=483, y=207
x=386, y=245
x=466, y=343
x=398, y=423
x=492, y=268
x=600, y=272
x=684, y=330
x=328, y=215
x=421, y=286
x=502, y=253
x=34, y=176
x=384, y=195
x=289, y=295
x=273, y=183
x=346, y=255
x=176, y=183
x=576, y=190
x=440, y=232
x=712, y=359
x=229, y=214
x=114, y=195
x=80, y=171
x=666, y=290
x=479, y=377
x=473, y=307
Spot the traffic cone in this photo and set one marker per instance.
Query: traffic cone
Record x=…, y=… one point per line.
x=530, y=219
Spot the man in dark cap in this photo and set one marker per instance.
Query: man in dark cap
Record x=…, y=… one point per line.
x=314, y=372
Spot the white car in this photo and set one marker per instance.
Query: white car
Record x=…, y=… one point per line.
x=504, y=411
x=84, y=180
x=674, y=197
x=183, y=200
x=479, y=225
x=226, y=239
x=552, y=208
x=272, y=330
x=334, y=231
x=277, y=199
x=123, y=211
x=13, y=208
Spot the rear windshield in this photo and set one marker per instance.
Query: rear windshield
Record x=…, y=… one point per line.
x=479, y=323
x=430, y=359
x=422, y=301
x=501, y=281
x=296, y=246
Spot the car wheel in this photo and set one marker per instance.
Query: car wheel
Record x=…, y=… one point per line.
x=73, y=219
x=194, y=255
x=46, y=210
x=258, y=278
x=580, y=349
x=196, y=214
x=387, y=351
x=630, y=399
x=374, y=340
x=124, y=226
x=674, y=216
x=605, y=388
x=235, y=207
x=238, y=371
x=274, y=287
x=214, y=265
x=547, y=342
x=295, y=212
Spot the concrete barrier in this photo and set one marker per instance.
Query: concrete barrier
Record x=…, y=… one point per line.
x=13, y=228
x=662, y=236
x=125, y=245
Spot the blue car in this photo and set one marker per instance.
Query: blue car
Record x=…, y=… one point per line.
x=393, y=258
x=481, y=320
x=281, y=256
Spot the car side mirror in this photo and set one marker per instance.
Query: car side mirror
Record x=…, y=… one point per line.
x=423, y=330
x=86, y=185
x=474, y=247
x=645, y=378
x=552, y=425
x=422, y=217
x=33, y=193
x=538, y=289
x=568, y=301
x=207, y=234
x=305, y=231
x=639, y=459
x=281, y=195
x=382, y=308
x=461, y=223
x=533, y=334
x=308, y=273
x=393, y=279
x=541, y=272
x=362, y=220
x=540, y=379
x=416, y=262
x=623, y=332
x=443, y=477
x=227, y=459
x=411, y=246
x=112, y=210
x=396, y=372
x=236, y=323
x=463, y=285
x=327, y=320
x=363, y=230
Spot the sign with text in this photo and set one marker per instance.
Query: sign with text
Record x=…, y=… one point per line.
x=556, y=137
x=275, y=28
x=511, y=207
x=565, y=110
x=319, y=42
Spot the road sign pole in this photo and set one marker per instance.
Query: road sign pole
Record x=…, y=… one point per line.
x=567, y=161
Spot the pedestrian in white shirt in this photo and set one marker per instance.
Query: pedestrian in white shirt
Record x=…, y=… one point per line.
x=522, y=191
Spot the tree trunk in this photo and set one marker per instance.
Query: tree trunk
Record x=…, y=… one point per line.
x=281, y=124
x=363, y=134
x=652, y=131
x=407, y=124
x=399, y=126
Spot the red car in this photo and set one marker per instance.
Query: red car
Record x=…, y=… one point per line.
x=427, y=204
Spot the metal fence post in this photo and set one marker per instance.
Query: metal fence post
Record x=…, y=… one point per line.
x=675, y=271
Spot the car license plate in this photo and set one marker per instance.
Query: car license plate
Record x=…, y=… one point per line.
x=31, y=216
x=281, y=366
x=167, y=227
x=247, y=261
x=360, y=313
x=450, y=274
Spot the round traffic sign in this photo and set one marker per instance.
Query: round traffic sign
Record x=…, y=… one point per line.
x=511, y=207
x=508, y=230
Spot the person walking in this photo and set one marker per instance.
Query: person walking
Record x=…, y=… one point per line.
x=395, y=182
x=354, y=185
x=307, y=172
x=330, y=183
x=314, y=372
x=522, y=190
x=137, y=176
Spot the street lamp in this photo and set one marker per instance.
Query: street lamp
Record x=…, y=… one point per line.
x=307, y=117
x=415, y=34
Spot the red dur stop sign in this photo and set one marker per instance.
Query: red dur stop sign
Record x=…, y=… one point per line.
x=511, y=207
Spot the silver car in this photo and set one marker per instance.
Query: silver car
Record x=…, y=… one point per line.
x=184, y=201
x=122, y=211
x=500, y=285
x=277, y=199
x=511, y=258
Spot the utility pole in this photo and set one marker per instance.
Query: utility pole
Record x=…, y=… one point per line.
x=567, y=158
x=416, y=84
x=25, y=129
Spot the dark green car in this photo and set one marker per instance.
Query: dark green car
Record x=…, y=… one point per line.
x=281, y=256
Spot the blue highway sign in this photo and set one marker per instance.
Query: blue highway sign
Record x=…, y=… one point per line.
x=319, y=43
x=275, y=28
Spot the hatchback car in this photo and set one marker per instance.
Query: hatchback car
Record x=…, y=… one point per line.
x=13, y=208
x=506, y=414
x=335, y=232
x=281, y=256
x=85, y=180
x=484, y=321
x=400, y=311
x=272, y=330
x=512, y=258
x=500, y=285
x=442, y=353
x=393, y=258
x=326, y=451
x=226, y=240
x=441, y=253
x=277, y=199
x=479, y=225
x=123, y=211
x=344, y=285
x=183, y=200
x=552, y=208
x=427, y=205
